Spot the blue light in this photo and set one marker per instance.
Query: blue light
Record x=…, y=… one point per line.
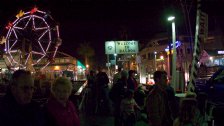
x=178, y=43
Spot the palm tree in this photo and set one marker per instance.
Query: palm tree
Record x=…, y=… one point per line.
x=86, y=51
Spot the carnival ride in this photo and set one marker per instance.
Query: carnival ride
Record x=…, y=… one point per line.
x=29, y=39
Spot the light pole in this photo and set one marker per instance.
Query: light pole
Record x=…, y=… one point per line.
x=115, y=64
x=171, y=18
x=155, y=61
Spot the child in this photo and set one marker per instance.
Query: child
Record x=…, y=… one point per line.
x=128, y=106
x=189, y=113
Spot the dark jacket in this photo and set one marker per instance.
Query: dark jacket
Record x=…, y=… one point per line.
x=102, y=80
x=158, y=110
x=14, y=114
x=132, y=84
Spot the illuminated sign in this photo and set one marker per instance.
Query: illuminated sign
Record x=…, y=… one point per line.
x=178, y=43
x=110, y=47
x=221, y=52
x=121, y=47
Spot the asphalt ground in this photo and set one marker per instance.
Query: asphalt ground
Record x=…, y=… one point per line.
x=101, y=120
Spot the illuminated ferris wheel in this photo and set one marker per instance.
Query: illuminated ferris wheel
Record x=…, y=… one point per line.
x=29, y=39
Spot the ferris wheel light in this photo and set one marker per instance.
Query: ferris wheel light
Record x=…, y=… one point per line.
x=20, y=14
x=33, y=10
x=9, y=25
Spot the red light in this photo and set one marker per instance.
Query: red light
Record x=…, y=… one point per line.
x=9, y=25
x=33, y=10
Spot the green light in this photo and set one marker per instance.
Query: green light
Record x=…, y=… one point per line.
x=171, y=18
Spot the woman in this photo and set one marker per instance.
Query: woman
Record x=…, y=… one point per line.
x=61, y=111
x=189, y=114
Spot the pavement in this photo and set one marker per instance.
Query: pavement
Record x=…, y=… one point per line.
x=100, y=120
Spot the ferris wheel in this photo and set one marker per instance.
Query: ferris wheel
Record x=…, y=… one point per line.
x=29, y=39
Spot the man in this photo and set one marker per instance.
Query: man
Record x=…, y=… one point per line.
x=102, y=82
x=117, y=76
x=16, y=108
x=131, y=82
x=159, y=102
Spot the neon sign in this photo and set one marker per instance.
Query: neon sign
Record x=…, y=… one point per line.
x=178, y=43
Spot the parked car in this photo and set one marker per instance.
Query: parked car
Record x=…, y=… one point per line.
x=212, y=85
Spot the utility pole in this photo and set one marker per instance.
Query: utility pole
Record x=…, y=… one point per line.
x=196, y=54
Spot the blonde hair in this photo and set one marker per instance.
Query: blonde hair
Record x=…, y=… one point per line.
x=61, y=81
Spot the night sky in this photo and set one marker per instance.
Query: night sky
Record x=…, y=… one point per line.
x=97, y=21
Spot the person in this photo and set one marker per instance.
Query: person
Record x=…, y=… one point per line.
x=17, y=107
x=189, y=113
x=117, y=75
x=91, y=91
x=116, y=94
x=139, y=96
x=60, y=110
x=128, y=106
x=158, y=106
x=132, y=83
x=102, y=81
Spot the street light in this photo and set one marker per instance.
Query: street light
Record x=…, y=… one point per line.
x=171, y=19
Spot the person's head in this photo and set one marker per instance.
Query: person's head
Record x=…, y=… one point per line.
x=124, y=74
x=22, y=86
x=62, y=89
x=160, y=78
x=45, y=88
x=119, y=69
x=92, y=73
x=99, y=69
x=131, y=73
x=188, y=110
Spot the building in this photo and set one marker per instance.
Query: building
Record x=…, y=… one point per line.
x=155, y=55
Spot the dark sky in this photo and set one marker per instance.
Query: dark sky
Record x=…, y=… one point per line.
x=97, y=21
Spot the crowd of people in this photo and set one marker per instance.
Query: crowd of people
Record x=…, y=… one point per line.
x=18, y=109
x=129, y=99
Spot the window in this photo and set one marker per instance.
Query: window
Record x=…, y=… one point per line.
x=150, y=56
x=144, y=56
x=188, y=50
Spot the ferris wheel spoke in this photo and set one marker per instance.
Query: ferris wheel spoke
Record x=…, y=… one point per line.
x=35, y=52
x=18, y=28
x=41, y=28
x=34, y=25
x=46, y=65
x=13, y=45
x=43, y=34
x=27, y=58
x=21, y=22
x=9, y=61
x=41, y=47
x=39, y=59
x=15, y=33
x=14, y=51
x=41, y=22
x=27, y=22
x=12, y=59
